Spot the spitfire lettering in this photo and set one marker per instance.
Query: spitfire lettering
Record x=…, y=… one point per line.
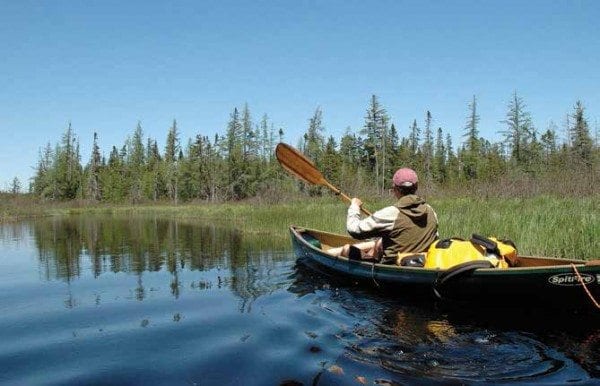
x=568, y=279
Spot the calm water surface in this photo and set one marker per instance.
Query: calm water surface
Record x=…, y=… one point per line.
x=109, y=300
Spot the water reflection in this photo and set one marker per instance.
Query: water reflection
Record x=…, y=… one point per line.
x=69, y=247
x=215, y=300
x=402, y=340
x=14, y=233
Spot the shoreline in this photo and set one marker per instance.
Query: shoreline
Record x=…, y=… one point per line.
x=542, y=225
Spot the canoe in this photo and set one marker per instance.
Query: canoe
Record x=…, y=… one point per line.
x=533, y=281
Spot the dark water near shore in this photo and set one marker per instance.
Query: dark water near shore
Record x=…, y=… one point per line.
x=105, y=300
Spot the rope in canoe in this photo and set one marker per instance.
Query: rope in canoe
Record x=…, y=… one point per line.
x=587, y=291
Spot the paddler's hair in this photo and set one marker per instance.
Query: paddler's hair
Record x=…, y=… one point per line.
x=406, y=190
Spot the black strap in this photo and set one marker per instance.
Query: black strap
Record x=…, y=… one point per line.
x=456, y=272
x=490, y=245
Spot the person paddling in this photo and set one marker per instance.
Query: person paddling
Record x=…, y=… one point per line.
x=410, y=225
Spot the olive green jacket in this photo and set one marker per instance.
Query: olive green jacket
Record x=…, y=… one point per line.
x=410, y=225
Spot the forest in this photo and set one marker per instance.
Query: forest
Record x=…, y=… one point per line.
x=239, y=163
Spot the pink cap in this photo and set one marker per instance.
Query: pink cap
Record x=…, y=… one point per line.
x=405, y=177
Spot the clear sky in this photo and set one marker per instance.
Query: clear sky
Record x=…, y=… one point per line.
x=105, y=65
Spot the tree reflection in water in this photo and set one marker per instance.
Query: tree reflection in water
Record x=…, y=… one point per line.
x=70, y=246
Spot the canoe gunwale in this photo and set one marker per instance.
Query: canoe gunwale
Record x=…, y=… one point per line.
x=565, y=263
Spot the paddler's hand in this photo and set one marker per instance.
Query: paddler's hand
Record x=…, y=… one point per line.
x=356, y=201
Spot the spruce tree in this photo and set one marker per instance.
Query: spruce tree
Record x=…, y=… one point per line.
x=414, y=138
x=67, y=167
x=93, y=180
x=549, y=145
x=376, y=141
x=469, y=155
x=15, y=186
x=519, y=130
x=136, y=164
x=235, y=155
x=314, y=141
x=439, y=158
x=581, y=141
x=43, y=181
x=331, y=161
x=171, y=161
x=427, y=148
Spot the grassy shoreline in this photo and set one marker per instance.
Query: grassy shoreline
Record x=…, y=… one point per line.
x=543, y=225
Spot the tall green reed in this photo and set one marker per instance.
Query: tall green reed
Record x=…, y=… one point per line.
x=541, y=225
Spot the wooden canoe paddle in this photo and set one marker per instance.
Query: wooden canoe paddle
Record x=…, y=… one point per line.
x=301, y=167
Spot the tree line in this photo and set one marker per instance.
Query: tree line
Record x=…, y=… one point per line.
x=239, y=163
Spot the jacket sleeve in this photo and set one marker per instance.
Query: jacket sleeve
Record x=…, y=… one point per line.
x=377, y=224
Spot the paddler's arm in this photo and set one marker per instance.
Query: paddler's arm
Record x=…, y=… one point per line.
x=379, y=222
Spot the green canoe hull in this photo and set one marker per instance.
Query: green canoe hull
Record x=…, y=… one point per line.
x=540, y=281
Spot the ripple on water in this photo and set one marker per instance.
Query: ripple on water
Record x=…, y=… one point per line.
x=252, y=319
x=437, y=350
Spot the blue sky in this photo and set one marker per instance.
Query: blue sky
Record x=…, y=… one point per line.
x=105, y=65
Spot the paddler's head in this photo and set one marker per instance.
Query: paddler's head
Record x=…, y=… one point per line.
x=405, y=181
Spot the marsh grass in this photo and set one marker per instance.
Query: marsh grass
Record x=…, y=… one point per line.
x=544, y=226
x=16, y=207
x=541, y=225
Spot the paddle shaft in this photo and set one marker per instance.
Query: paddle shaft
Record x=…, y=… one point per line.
x=344, y=196
x=301, y=167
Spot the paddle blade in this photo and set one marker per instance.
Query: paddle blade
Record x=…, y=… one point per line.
x=298, y=165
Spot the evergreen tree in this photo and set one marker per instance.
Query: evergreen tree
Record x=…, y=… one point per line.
x=217, y=168
x=153, y=181
x=533, y=162
x=171, y=160
x=67, y=166
x=427, y=148
x=469, y=155
x=313, y=146
x=350, y=152
x=549, y=143
x=491, y=165
x=439, y=160
x=331, y=161
x=350, y=156
x=113, y=178
x=394, y=142
x=249, y=137
x=43, y=181
x=414, y=138
x=136, y=163
x=581, y=141
x=15, y=186
x=411, y=149
x=392, y=156
x=452, y=164
x=235, y=155
x=376, y=141
x=472, y=129
x=94, y=190
x=519, y=130
x=314, y=142
x=266, y=143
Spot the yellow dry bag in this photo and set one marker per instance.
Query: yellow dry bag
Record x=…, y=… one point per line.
x=447, y=253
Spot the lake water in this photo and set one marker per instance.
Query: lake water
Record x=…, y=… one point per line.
x=112, y=300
